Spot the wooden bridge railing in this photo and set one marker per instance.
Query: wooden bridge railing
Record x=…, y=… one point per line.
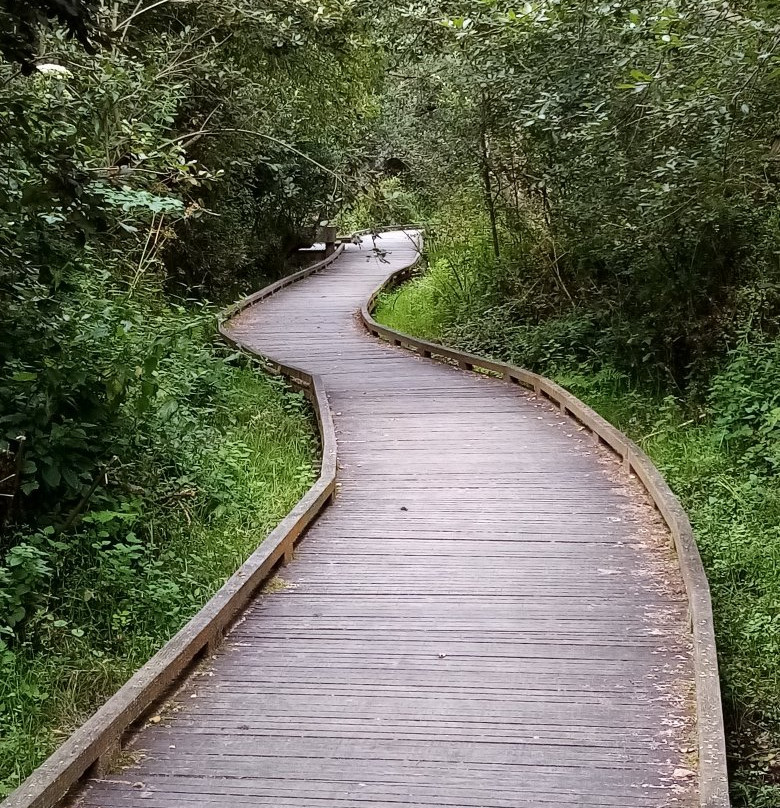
x=93, y=747
x=713, y=777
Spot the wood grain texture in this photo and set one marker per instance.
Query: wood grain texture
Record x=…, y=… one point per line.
x=490, y=614
x=711, y=745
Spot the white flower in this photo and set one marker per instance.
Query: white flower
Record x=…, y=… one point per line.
x=54, y=70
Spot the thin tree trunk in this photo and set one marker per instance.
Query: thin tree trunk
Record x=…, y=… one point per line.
x=488, y=188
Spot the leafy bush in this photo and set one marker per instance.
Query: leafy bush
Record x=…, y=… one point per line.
x=745, y=395
x=641, y=188
x=209, y=456
x=556, y=344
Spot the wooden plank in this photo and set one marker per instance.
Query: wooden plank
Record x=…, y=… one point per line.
x=489, y=615
x=99, y=738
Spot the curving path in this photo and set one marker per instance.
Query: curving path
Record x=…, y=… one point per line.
x=489, y=615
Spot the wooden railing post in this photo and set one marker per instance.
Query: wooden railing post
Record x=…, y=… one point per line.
x=329, y=237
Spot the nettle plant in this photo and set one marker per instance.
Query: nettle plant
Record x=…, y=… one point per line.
x=745, y=397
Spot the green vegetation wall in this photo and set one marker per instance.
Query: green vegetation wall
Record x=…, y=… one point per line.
x=624, y=156
x=167, y=151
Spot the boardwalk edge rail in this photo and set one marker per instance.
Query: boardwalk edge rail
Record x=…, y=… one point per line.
x=93, y=747
x=713, y=776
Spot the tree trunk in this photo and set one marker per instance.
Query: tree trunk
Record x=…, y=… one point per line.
x=490, y=203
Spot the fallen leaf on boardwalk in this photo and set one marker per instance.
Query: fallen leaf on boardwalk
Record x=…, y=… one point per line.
x=679, y=774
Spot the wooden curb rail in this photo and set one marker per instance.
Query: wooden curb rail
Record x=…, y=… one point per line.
x=713, y=776
x=93, y=747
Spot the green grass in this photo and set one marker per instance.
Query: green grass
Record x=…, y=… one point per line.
x=141, y=563
x=735, y=512
x=418, y=308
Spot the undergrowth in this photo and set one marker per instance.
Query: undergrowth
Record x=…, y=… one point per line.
x=208, y=457
x=720, y=453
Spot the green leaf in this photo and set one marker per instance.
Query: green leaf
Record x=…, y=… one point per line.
x=51, y=475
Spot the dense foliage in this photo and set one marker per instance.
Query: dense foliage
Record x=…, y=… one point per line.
x=22, y=20
x=624, y=156
x=132, y=177
x=151, y=153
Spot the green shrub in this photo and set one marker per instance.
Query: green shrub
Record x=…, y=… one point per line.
x=157, y=461
x=745, y=397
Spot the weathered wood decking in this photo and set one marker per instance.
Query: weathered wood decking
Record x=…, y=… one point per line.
x=489, y=615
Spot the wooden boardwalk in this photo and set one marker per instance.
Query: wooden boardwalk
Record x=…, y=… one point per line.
x=489, y=615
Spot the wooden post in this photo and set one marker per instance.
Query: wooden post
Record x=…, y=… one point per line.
x=214, y=642
x=107, y=761
x=329, y=237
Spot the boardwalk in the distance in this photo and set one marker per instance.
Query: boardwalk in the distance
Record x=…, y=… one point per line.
x=489, y=615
